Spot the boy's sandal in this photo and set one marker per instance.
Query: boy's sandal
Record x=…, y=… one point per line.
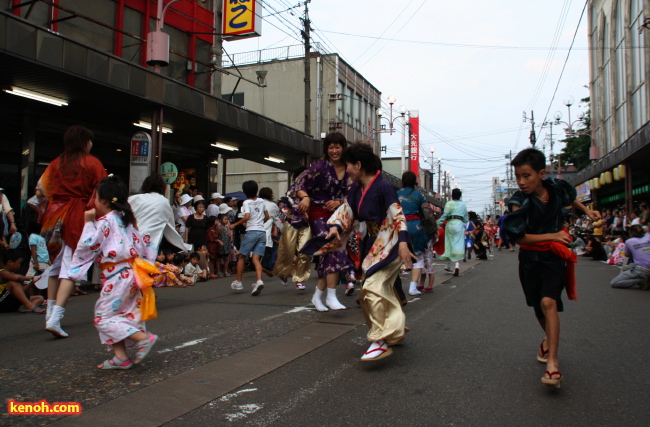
x=427, y=289
x=550, y=381
x=35, y=310
x=116, y=363
x=542, y=355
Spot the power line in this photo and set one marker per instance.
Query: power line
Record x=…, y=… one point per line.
x=566, y=60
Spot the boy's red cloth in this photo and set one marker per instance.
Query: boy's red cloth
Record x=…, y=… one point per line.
x=567, y=255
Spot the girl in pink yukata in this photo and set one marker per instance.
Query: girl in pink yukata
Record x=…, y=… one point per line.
x=113, y=241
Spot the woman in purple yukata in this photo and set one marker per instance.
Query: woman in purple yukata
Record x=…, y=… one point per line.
x=116, y=244
x=384, y=248
x=321, y=190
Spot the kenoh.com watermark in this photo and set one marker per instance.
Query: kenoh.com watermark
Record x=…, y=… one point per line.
x=43, y=408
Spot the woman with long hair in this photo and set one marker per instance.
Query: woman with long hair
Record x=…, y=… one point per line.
x=68, y=183
x=321, y=190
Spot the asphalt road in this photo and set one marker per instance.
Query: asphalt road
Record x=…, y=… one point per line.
x=233, y=359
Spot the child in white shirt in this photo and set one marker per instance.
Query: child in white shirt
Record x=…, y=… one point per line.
x=193, y=269
x=255, y=215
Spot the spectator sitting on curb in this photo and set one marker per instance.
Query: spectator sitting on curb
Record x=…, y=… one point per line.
x=638, y=273
x=12, y=292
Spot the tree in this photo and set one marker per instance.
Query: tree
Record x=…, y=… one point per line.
x=576, y=150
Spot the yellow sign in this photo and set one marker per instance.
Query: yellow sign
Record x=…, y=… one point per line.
x=241, y=19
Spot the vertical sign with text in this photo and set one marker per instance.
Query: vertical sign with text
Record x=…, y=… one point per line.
x=140, y=161
x=414, y=141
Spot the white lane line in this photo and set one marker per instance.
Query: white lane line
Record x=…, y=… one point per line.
x=266, y=319
x=186, y=344
x=299, y=309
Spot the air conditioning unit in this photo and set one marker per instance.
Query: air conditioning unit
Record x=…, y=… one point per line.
x=336, y=97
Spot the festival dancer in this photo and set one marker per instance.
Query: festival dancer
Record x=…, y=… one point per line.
x=68, y=183
x=295, y=233
x=123, y=254
x=545, y=263
x=384, y=249
x=322, y=189
x=413, y=203
x=456, y=215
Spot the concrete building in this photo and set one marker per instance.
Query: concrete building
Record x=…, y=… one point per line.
x=619, y=89
x=91, y=56
x=342, y=100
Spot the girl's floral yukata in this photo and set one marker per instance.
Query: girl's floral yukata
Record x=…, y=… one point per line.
x=108, y=241
x=386, y=226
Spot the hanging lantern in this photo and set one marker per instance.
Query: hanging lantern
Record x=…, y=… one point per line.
x=602, y=178
x=608, y=177
x=621, y=171
x=595, y=183
x=617, y=174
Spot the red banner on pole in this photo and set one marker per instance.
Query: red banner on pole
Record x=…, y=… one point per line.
x=414, y=141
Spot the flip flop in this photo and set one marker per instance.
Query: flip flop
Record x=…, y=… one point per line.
x=552, y=382
x=544, y=354
x=35, y=310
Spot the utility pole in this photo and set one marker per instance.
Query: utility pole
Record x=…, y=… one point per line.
x=305, y=35
x=550, y=138
x=533, y=137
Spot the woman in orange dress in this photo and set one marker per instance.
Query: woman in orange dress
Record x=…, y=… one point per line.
x=68, y=183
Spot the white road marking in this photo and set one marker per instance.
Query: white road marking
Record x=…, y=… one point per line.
x=244, y=411
x=227, y=397
x=186, y=344
x=299, y=309
x=413, y=300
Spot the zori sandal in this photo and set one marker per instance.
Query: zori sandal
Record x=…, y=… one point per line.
x=377, y=350
x=116, y=363
x=550, y=381
x=542, y=356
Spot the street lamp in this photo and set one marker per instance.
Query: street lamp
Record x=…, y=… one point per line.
x=381, y=114
x=568, y=101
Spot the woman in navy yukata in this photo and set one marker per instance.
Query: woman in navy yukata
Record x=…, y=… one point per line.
x=383, y=250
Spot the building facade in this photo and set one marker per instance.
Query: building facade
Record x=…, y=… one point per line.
x=341, y=100
x=619, y=91
x=90, y=55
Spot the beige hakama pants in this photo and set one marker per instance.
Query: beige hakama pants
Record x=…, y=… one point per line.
x=381, y=306
x=291, y=241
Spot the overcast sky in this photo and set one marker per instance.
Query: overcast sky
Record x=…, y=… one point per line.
x=471, y=67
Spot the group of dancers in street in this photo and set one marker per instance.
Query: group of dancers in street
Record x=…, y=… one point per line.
x=89, y=220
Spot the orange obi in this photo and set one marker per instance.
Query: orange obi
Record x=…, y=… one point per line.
x=565, y=254
x=142, y=271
